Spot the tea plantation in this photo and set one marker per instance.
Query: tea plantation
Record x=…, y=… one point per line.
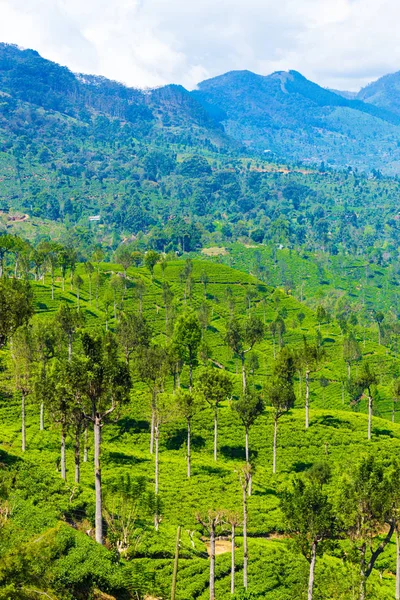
x=47, y=524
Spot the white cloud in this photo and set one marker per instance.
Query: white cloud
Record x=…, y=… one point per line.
x=338, y=43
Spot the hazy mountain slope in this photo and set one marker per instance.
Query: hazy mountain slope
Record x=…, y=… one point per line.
x=291, y=116
x=385, y=93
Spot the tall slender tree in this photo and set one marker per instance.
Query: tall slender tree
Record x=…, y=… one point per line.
x=241, y=337
x=281, y=393
x=215, y=385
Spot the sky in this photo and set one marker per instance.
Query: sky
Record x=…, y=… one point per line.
x=342, y=44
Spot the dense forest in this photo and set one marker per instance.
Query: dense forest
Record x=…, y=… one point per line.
x=199, y=362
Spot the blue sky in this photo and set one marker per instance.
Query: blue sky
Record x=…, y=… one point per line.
x=343, y=44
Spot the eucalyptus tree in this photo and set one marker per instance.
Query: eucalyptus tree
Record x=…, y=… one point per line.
x=105, y=385
x=139, y=289
x=189, y=403
x=163, y=412
x=69, y=322
x=211, y=522
x=123, y=256
x=7, y=242
x=16, y=307
x=51, y=251
x=116, y=286
x=241, y=337
x=151, y=258
x=365, y=382
x=78, y=283
x=310, y=517
x=351, y=352
x=151, y=366
x=281, y=392
x=168, y=297
x=366, y=509
x=308, y=358
x=89, y=270
x=23, y=364
x=215, y=385
x=249, y=407
x=133, y=333
x=204, y=278
x=187, y=339
x=45, y=339
x=233, y=519
x=245, y=478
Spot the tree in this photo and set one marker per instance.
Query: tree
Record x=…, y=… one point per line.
x=151, y=258
x=189, y=403
x=133, y=333
x=308, y=358
x=16, y=307
x=115, y=285
x=379, y=317
x=151, y=366
x=211, y=521
x=22, y=351
x=187, y=338
x=6, y=245
x=249, y=407
x=78, y=283
x=234, y=520
x=366, y=507
x=161, y=413
x=45, y=346
x=89, y=270
x=204, y=278
x=245, y=478
x=137, y=258
x=105, y=385
x=351, y=352
x=69, y=322
x=242, y=337
x=168, y=297
x=322, y=315
x=139, y=290
x=123, y=256
x=310, y=516
x=215, y=386
x=281, y=393
x=365, y=382
x=51, y=251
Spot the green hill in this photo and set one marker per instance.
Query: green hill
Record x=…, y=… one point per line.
x=48, y=513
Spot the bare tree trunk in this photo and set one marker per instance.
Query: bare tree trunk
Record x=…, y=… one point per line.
x=63, y=460
x=369, y=416
x=275, y=439
x=247, y=444
x=233, y=560
x=215, y=433
x=52, y=287
x=363, y=579
x=244, y=379
x=41, y=416
x=188, y=449
x=312, y=570
x=86, y=448
x=23, y=425
x=307, y=398
x=348, y=371
x=245, y=549
x=212, y=562
x=176, y=561
x=397, y=564
x=153, y=408
x=156, y=516
x=77, y=455
x=97, y=479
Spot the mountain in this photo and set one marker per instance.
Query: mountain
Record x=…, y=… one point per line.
x=384, y=93
x=170, y=111
x=291, y=116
